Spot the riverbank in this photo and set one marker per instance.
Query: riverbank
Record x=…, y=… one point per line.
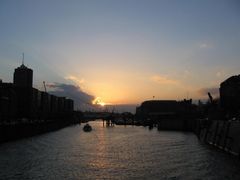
x=14, y=131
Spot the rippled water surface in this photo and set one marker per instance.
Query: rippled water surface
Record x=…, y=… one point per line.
x=120, y=152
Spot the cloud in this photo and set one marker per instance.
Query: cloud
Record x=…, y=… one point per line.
x=214, y=91
x=205, y=46
x=220, y=74
x=186, y=74
x=75, y=79
x=164, y=80
x=82, y=100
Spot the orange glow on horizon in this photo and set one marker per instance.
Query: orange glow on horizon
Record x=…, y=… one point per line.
x=124, y=87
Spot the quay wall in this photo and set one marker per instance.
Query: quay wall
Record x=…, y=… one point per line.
x=12, y=131
x=224, y=135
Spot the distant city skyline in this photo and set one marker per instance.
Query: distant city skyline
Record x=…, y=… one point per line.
x=123, y=52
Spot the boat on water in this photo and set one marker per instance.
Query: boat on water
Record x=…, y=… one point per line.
x=87, y=128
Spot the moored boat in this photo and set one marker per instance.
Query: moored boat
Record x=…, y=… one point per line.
x=87, y=128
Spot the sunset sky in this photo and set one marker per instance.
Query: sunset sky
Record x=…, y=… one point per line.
x=123, y=51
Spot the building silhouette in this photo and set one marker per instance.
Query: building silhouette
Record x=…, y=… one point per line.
x=22, y=81
x=230, y=95
x=19, y=100
x=23, y=76
x=164, y=109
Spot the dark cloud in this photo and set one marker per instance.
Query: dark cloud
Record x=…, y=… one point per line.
x=214, y=91
x=82, y=100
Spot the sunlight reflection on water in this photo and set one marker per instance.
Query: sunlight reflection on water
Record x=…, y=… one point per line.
x=120, y=152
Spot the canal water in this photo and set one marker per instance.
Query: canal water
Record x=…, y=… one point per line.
x=119, y=152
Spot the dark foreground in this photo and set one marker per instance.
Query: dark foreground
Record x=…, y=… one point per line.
x=115, y=153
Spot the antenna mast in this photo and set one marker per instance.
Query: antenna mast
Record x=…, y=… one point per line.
x=22, y=58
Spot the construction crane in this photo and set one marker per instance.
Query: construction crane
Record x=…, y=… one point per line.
x=210, y=97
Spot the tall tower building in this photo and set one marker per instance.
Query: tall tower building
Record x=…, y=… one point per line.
x=23, y=81
x=23, y=76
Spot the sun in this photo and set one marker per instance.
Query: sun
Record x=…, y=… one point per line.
x=98, y=101
x=102, y=103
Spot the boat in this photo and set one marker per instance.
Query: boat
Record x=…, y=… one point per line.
x=87, y=128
